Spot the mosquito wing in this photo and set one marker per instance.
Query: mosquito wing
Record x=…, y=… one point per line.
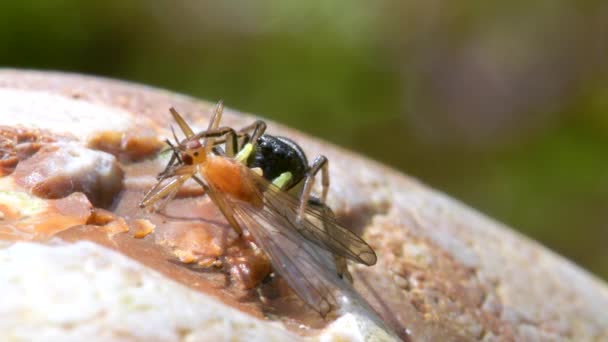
x=316, y=225
x=309, y=270
x=302, y=253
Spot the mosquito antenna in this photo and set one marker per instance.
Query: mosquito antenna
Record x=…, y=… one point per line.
x=174, y=137
x=214, y=123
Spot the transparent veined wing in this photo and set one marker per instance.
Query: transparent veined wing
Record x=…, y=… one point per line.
x=316, y=226
x=304, y=260
x=308, y=269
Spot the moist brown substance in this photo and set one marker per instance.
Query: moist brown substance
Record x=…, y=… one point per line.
x=127, y=146
x=61, y=214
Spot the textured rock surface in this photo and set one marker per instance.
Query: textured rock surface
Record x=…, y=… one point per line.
x=444, y=270
x=109, y=298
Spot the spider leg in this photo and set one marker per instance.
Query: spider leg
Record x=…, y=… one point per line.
x=229, y=138
x=251, y=133
x=222, y=135
x=257, y=126
x=234, y=140
x=341, y=264
x=320, y=164
x=342, y=268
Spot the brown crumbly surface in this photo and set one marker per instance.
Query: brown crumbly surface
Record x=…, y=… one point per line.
x=19, y=143
x=445, y=272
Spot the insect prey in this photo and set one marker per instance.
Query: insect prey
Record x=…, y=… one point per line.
x=263, y=184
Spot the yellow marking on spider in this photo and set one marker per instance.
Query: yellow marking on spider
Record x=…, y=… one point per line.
x=244, y=153
x=282, y=180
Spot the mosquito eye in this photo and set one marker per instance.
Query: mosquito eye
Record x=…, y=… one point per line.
x=187, y=159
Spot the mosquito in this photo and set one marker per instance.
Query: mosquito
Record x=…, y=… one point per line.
x=264, y=183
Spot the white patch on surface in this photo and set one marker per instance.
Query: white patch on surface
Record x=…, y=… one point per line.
x=85, y=292
x=73, y=159
x=344, y=328
x=60, y=114
x=22, y=203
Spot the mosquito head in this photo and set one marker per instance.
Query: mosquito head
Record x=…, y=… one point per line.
x=192, y=152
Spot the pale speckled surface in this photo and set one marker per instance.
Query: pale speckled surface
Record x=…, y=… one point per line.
x=85, y=292
x=444, y=270
x=34, y=109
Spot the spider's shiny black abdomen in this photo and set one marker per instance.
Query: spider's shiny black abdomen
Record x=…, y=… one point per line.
x=275, y=155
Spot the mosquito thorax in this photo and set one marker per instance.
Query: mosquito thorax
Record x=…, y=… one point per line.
x=277, y=155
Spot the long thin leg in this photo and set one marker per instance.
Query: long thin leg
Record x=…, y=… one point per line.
x=228, y=134
x=231, y=138
x=250, y=134
x=340, y=261
x=241, y=139
x=158, y=191
x=175, y=160
x=320, y=164
x=342, y=268
x=214, y=123
x=259, y=127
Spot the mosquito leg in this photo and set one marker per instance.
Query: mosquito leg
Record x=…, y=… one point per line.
x=320, y=164
x=175, y=159
x=158, y=191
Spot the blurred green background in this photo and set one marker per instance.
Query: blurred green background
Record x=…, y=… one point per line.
x=503, y=105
